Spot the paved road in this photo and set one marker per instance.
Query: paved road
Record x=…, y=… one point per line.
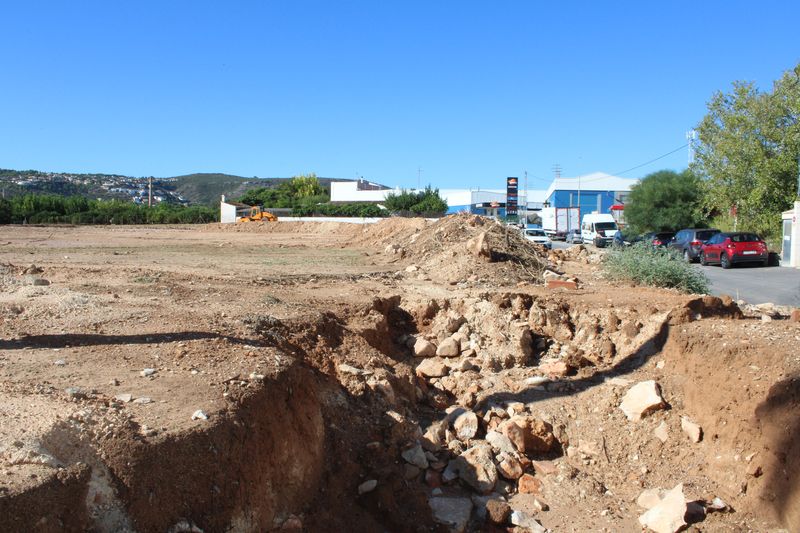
x=755, y=285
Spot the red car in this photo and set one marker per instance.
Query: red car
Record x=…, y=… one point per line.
x=729, y=249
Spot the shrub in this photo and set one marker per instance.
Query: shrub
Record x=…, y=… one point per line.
x=645, y=264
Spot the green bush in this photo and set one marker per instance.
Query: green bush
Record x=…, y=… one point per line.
x=427, y=202
x=645, y=264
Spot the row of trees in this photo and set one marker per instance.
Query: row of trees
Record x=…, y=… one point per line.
x=746, y=167
x=54, y=209
x=305, y=196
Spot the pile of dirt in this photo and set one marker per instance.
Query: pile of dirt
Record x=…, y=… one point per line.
x=463, y=248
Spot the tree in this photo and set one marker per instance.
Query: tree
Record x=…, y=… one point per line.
x=665, y=201
x=421, y=203
x=749, y=142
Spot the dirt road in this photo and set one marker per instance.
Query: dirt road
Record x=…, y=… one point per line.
x=401, y=376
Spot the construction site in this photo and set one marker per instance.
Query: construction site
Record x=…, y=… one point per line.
x=403, y=376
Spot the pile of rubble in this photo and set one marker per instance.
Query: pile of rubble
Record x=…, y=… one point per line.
x=468, y=248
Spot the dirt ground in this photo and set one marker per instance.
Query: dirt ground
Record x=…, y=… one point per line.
x=266, y=376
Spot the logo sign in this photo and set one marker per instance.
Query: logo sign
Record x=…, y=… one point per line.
x=512, y=198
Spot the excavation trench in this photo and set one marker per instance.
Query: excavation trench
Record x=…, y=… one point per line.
x=322, y=443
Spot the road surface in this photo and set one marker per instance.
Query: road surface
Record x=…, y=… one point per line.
x=755, y=285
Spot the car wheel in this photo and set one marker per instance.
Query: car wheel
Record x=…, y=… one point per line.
x=703, y=259
x=765, y=262
x=724, y=262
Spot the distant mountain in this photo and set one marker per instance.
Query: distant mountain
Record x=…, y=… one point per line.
x=200, y=188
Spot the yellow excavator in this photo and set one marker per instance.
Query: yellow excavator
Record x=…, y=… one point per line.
x=257, y=214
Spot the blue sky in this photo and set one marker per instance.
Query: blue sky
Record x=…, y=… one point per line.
x=471, y=92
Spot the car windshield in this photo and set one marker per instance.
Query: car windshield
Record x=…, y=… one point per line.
x=535, y=233
x=602, y=226
x=705, y=235
x=745, y=237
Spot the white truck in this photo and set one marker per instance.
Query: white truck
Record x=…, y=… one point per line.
x=598, y=229
x=558, y=221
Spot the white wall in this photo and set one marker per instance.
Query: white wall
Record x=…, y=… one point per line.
x=347, y=191
x=227, y=212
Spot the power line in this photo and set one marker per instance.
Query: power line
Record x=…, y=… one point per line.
x=652, y=160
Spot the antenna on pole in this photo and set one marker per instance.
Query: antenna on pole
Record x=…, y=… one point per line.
x=557, y=170
x=691, y=136
x=150, y=191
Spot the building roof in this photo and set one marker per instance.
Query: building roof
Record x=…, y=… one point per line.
x=597, y=181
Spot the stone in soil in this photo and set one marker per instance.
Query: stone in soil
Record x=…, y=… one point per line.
x=367, y=486
x=528, y=484
x=694, y=431
x=661, y=432
x=449, y=347
x=523, y=519
x=453, y=512
x=476, y=468
x=416, y=456
x=498, y=511
x=432, y=368
x=424, y=348
x=641, y=400
x=466, y=425
x=667, y=516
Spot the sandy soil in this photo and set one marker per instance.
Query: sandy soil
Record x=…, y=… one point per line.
x=291, y=340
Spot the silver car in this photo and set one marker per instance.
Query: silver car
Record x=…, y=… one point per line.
x=538, y=236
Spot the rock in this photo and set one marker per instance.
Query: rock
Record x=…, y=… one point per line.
x=410, y=471
x=412, y=268
x=642, y=399
x=199, y=415
x=545, y=468
x=476, y=468
x=522, y=519
x=649, y=498
x=424, y=348
x=500, y=442
x=36, y=281
x=123, y=397
x=514, y=433
x=147, y=372
x=509, y=467
x=143, y=400
x=32, y=269
x=560, y=284
x=528, y=484
x=432, y=368
x=661, y=432
x=343, y=368
x=367, y=486
x=292, y=523
x=694, y=431
x=449, y=347
x=450, y=472
x=60, y=362
x=433, y=478
x=434, y=437
x=451, y=512
x=479, y=246
x=766, y=318
x=415, y=456
x=466, y=425
x=498, y=511
x=794, y=316
x=718, y=505
x=667, y=516
x=554, y=368
x=75, y=393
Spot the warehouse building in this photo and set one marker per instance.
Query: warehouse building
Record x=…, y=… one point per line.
x=598, y=192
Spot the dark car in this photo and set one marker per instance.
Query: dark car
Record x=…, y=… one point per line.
x=730, y=249
x=688, y=242
x=659, y=238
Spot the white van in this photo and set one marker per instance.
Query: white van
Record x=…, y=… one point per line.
x=598, y=229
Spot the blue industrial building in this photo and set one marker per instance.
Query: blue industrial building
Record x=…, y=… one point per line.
x=598, y=192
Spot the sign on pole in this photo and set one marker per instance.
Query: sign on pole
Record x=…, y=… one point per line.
x=512, y=198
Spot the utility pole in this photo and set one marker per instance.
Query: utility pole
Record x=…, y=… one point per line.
x=557, y=170
x=691, y=135
x=419, y=182
x=525, y=211
x=150, y=191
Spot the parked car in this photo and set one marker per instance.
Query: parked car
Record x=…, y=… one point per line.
x=730, y=249
x=688, y=242
x=538, y=236
x=658, y=238
x=574, y=236
x=598, y=229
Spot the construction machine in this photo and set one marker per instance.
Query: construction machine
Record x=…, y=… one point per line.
x=257, y=214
